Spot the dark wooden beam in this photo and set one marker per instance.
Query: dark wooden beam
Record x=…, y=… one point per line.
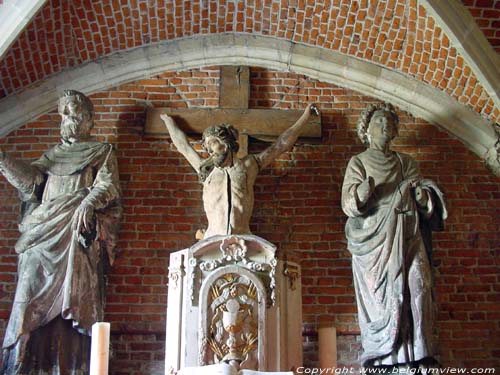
x=234, y=88
x=264, y=124
x=259, y=123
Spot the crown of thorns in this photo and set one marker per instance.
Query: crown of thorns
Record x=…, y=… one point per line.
x=225, y=132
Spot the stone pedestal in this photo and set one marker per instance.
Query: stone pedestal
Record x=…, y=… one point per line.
x=231, y=300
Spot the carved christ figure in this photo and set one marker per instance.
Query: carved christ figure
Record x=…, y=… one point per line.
x=228, y=181
x=70, y=213
x=391, y=211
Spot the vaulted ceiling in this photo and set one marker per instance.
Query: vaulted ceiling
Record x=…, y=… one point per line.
x=437, y=59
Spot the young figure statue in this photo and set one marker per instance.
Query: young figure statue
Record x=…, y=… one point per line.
x=391, y=211
x=228, y=181
x=70, y=212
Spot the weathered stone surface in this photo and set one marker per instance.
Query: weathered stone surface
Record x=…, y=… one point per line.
x=70, y=213
x=228, y=181
x=391, y=211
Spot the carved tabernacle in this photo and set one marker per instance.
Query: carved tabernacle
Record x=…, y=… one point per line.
x=231, y=301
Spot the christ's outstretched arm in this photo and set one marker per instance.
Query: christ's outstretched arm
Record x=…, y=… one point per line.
x=286, y=140
x=181, y=142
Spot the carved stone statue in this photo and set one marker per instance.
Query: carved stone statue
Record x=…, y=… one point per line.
x=392, y=211
x=228, y=180
x=70, y=213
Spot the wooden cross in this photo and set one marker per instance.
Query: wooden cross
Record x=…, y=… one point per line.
x=263, y=124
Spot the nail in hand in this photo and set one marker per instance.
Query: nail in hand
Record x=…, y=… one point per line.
x=314, y=109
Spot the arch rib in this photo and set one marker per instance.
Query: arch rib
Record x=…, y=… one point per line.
x=328, y=66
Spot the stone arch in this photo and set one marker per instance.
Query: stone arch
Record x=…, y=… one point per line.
x=409, y=94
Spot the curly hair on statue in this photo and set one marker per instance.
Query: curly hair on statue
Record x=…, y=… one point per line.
x=80, y=98
x=225, y=132
x=367, y=114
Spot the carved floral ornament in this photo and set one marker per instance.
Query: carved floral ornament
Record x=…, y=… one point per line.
x=234, y=250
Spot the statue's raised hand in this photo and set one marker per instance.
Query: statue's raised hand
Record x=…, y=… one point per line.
x=365, y=190
x=421, y=196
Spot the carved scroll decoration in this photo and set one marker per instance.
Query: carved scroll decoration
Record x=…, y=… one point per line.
x=234, y=251
x=292, y=272
x=175, y=275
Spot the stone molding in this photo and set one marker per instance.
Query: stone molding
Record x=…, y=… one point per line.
x=409, y=94
x=15, y=15
x=459, y=25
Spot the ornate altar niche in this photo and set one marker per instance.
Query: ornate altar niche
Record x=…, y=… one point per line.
x=230, y=300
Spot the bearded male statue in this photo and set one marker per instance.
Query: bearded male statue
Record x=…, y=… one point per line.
x=391, y=211
x=228, y=181
x=70, y=214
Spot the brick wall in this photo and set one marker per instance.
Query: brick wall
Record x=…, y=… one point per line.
x=487, y=16
x=397, y=34
x=297, y=207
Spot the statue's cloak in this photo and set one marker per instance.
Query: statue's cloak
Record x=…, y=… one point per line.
x=390, y=261
x=60, y=271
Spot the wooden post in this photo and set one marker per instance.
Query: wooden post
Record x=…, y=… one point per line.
x=234, y=91
x=263, y=124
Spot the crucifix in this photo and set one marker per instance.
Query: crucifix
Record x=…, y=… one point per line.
x=234, y=92
x=228, y=177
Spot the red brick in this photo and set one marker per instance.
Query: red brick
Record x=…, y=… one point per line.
x=296, y=206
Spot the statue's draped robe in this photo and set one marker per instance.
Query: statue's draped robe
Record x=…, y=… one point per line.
x=60, y=271
x=228, y=197
x=391, y=269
